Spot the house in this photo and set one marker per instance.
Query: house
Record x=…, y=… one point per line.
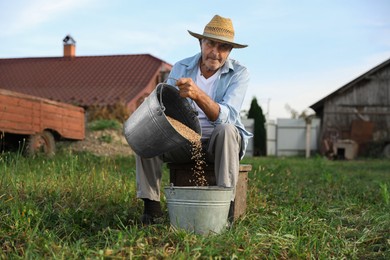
x=85, y=80
x=358, y=114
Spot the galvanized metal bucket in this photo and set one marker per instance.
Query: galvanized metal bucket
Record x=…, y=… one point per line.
x=148, y=131
x=202, y=210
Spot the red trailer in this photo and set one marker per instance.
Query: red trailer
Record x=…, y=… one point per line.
x=35, y=123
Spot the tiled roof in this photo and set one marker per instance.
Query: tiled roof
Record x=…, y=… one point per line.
x=82, y=80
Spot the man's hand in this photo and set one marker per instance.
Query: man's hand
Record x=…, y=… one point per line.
x=188, y=88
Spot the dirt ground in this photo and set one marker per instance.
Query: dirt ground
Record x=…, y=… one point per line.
x=103, y=143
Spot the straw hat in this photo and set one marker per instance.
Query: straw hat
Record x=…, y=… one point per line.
x=219, y=29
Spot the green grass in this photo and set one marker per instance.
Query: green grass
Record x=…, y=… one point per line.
x=103, y=124
x=84, y=206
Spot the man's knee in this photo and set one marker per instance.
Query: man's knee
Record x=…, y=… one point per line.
x=226, y=130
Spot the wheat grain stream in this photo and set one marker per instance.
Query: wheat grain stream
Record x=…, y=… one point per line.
x=199, y=178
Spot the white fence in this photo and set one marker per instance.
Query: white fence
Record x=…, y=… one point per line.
x=288, y=137
x=271, y=138
x=249, y=125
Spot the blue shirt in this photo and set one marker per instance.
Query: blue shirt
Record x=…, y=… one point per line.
x=230, y=90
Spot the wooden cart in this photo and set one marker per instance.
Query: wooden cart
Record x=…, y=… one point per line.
x=35, y=123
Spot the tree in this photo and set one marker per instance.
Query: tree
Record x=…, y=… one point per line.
x=259, y=135
x=305, y=114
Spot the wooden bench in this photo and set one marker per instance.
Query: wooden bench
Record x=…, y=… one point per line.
x=181, y=175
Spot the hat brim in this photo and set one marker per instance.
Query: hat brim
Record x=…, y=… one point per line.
x=218, y=39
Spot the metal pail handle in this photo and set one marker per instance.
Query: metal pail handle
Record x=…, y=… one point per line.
x=161, y=101
x=160, y=112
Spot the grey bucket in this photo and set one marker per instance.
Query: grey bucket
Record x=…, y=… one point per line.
x=148, y=131
x=201, y=210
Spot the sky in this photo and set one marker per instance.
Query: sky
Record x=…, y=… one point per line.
x=299, y=51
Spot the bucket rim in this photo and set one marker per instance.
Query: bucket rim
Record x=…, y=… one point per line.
x=211, y=188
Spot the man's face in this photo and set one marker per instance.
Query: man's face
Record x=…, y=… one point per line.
x=214, y=54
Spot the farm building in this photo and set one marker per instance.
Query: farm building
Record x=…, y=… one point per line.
x=355, y=119
x=85, y=80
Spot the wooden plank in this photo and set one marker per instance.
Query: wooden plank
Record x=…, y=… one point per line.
x=50, y=109
x=51, y=117
x=14, y=117
x=19, y=127
x=66, y=128
x=245, y=167
x=361, y=131
x=240, y=205
x=4, y=92
x=73, y=126
x=15, y=109
x=26, y=120
x=13, y=101
x=77, y=135
x=74, y=121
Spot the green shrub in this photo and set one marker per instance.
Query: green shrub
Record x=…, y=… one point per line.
x=103, y=124
x=118, y=111
x=260, y=134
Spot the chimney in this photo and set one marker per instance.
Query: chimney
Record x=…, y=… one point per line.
x=69, y=47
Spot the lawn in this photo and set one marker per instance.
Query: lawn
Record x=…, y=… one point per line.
x=77, y=205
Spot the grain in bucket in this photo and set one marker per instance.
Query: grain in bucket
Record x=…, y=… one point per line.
x=148, y=131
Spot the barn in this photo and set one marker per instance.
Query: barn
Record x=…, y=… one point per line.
x=355, y=119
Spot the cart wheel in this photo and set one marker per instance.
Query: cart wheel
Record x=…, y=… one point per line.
x=41, y=143
x=386, y=151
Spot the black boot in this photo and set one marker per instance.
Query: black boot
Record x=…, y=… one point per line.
x=231, y=213
x=152, y=212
